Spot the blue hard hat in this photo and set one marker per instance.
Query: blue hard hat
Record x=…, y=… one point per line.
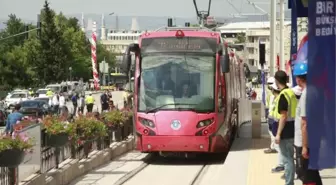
x=300, y=68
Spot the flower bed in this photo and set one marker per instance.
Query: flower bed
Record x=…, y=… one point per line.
x=115, y=120
x=86, y=129
x=13, y=148
x=128, y=121
x=26, y=122
x=57, y=131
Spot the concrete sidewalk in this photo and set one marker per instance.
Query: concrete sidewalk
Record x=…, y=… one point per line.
x=247, y=164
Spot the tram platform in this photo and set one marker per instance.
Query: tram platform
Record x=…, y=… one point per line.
x=247, y=164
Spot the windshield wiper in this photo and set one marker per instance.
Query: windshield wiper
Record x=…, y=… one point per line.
x=159, y=107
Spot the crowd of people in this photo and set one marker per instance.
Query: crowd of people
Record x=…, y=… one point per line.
x=57, y=102
x=79, y=102
x=286, y=110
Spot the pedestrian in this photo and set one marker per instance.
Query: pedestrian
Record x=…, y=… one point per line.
x=297, y=130
x=284, y=113
x=81, y=104
x=49, y=93
x=273, y=124
x=89, y=102
x=306, y=175
x=55, y=103
x=12, y=119
x=74, y=100
x=269, y=101
x=104, y=101
x=111, y=105
x=62, y=103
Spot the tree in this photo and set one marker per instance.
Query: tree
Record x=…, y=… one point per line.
x=54, y=55
x=103, y=53
x=11, y=56
x=14, y=26
x=29, y=62
x=240, y=38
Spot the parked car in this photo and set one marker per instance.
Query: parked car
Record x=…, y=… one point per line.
x=16, y=98
x=16, y=91
x=3, y=114
x=44, y=99
x=41, y=93
x=34, y=108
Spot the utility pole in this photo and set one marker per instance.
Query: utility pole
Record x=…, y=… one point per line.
x=39, y=26
x=273, y=38
x=282, y=40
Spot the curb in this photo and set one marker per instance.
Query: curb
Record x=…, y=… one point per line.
x=71, y=169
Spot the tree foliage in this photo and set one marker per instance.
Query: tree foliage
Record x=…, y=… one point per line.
x=36, y=61
x=240, y=38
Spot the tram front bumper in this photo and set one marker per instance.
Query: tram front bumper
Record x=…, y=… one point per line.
x=175, y=143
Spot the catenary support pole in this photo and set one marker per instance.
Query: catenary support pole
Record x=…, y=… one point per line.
x=282, y=39
x=273, y=38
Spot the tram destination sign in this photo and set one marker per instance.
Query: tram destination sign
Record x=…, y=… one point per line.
x=173, y=44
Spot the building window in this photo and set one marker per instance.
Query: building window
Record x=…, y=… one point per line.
x=251, y=62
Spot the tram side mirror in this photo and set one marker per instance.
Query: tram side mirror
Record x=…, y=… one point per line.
x=126, y=62
x=225, y=63
x=127, y=57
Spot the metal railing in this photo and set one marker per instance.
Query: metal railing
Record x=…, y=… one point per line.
x=51, y=158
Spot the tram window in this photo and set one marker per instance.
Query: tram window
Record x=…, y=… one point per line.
x=220, y=95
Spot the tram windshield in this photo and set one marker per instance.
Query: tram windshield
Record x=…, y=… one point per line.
x=177, y=81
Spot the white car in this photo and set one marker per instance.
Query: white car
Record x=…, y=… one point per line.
x=15, y=91
x=16, y=98
x=42, y=93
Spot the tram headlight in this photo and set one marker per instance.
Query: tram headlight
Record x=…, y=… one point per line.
x=147, y=122
x=204, y=123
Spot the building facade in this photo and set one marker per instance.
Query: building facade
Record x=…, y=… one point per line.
x=256, y=33
x=117, y=42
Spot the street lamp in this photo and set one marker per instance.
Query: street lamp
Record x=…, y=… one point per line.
x=111, y=13
x=70, y=71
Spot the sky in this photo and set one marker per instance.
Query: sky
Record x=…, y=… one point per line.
x=28, y=9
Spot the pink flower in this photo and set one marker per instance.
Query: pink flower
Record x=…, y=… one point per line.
x=14, y=135
x=24, y=137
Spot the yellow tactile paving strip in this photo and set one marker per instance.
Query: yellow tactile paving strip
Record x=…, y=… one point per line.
x=260, y=165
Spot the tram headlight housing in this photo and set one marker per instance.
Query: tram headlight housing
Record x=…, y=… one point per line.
x=147, y=122
x=204, y=123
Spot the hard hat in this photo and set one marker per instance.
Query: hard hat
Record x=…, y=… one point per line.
x=289, y=84
x=274, y=87
x=300, y=68
x=297, y=90
x=270, y=80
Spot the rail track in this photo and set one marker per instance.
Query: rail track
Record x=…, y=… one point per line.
x=168, y=171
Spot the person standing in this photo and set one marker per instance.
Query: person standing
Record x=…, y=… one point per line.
x=104, y=101
x=89, y=102
x=269, y=105
x=81, y=104
x=12, y=119
x=61, y=102
x=55, y=103
x=74, y=100
x=49, y=93
x=306, y=175
x=285, y=109
x=273, y=124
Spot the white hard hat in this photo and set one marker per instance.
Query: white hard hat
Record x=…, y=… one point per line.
x=297, y=90
x=270, y=80
x=289, y=85
x=275, y=87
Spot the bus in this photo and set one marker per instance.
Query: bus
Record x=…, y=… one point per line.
x=187, y=86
